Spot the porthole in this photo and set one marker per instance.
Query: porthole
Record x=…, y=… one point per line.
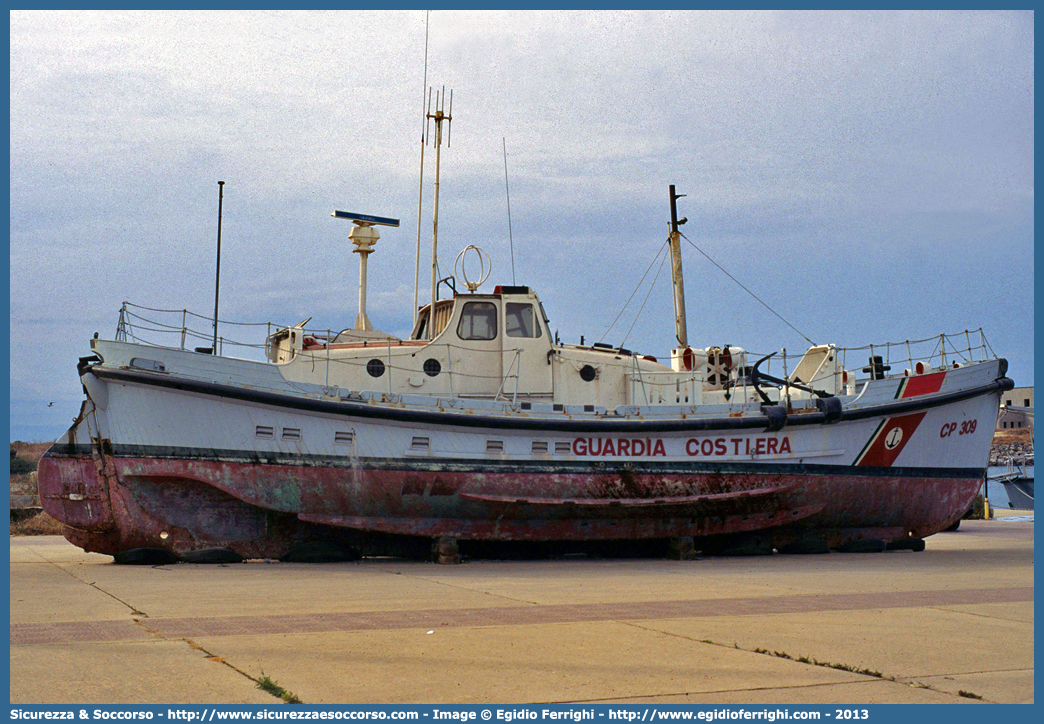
x=432, y=367
x=588, y=373
x=375, y=367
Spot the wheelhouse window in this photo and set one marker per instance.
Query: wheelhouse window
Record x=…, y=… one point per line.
x=443, y=312
x=520, y=320
x=478, y=320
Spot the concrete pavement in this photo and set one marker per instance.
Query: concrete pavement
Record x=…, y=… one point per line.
x=895, y=627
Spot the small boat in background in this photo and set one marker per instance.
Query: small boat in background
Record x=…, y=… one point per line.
x=1018, y=484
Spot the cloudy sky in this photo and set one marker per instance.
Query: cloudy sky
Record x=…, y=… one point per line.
x=868, y=175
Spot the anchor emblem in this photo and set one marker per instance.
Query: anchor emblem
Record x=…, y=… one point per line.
x=895, y=436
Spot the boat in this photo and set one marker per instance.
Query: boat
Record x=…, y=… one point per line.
x=482, y=427
x=1020, y=493
x=1018, y=485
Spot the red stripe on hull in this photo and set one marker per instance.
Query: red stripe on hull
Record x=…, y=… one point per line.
x=889, y=440
x=923, y=384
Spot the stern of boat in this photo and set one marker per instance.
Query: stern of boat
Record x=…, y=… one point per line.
x=73, y=478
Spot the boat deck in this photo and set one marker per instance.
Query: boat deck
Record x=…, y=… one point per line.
x=900, y=627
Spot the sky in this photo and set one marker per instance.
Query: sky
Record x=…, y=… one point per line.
x=867, y=175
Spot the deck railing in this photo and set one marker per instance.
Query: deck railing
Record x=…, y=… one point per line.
x=181, y=328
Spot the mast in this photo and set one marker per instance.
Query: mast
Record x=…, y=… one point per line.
x=681, y=328
x=438, y=116
x=217, y=274
x=420, y=192
x=507, y=189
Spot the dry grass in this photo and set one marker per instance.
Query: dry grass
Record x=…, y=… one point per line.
x=30, y=450
x=28, y=457
x=21, y=483
x=39, y=524
x=1008, y=437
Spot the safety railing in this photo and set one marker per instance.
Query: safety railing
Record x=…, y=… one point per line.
x=181, y=328
x=941, y=351
x=856, y=365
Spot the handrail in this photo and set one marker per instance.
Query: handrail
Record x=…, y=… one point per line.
x=145, y=325
x=516, y=364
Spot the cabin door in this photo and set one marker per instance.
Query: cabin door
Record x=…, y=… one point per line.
x=475, y=358
x=526, y=348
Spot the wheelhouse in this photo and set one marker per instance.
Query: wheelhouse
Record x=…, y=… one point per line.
x=512, y=311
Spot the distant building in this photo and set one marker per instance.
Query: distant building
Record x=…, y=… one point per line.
x=1016, y=409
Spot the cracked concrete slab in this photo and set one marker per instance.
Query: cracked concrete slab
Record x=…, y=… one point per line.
x=1000, y=686
x=572, y=662
x=45, y=587
x=897, y=642
x=157, y=672
x=850, y=695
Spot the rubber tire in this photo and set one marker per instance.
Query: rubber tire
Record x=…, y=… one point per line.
x=212, y=555
x=863, y=545
x=743, y=544
x=319, y=552
x=809, y=546
x=907, y=544
x=145, y=557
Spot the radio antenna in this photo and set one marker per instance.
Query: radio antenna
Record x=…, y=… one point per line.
x=440, y=115
x=420, y=193
x=511, y=241
x=217, y=275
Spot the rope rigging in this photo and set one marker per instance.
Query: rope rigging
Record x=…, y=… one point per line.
x=663, y=253
x=741, y=286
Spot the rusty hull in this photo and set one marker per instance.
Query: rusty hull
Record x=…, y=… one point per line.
x=111, y=504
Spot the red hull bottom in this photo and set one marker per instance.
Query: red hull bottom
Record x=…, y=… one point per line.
x=263, y=511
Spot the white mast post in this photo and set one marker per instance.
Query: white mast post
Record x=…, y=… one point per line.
x=420, y=192
x=681, y=327
x=438, y=116
x=364, y=236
